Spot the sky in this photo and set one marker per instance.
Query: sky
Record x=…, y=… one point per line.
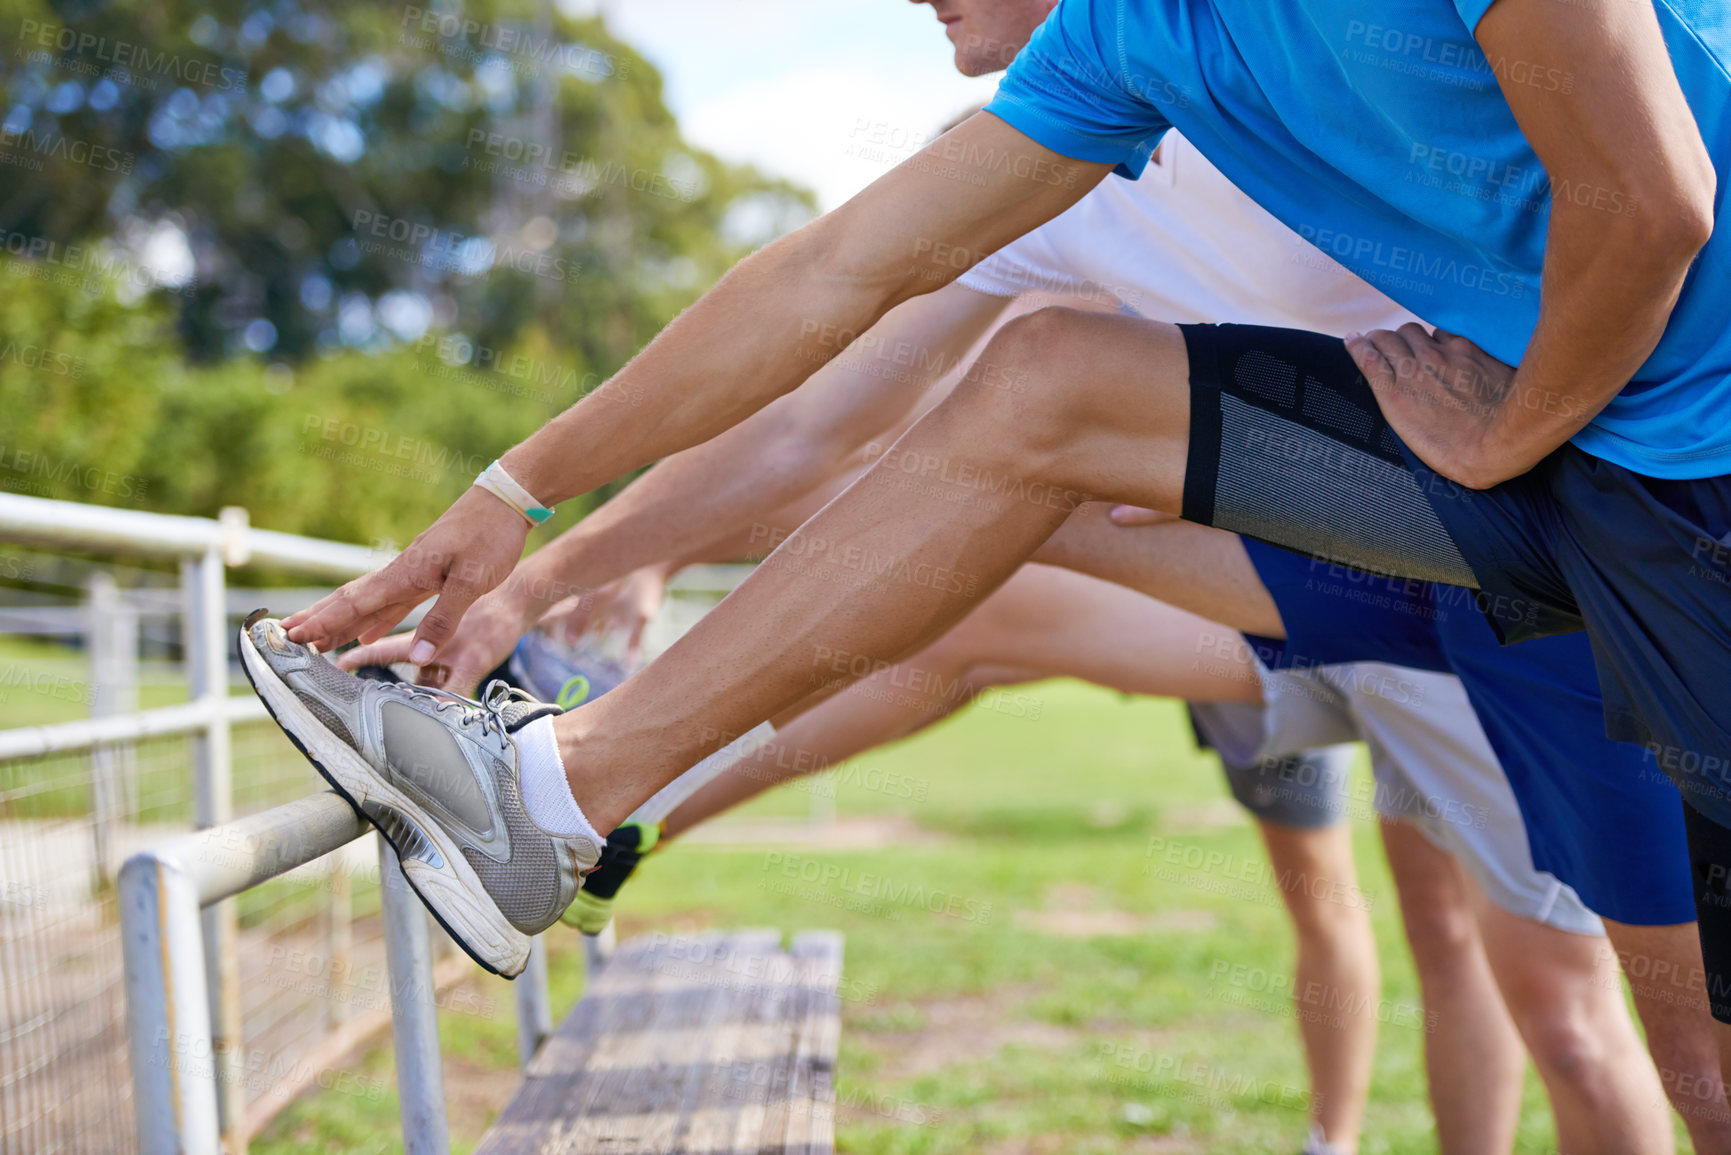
x=829, y=93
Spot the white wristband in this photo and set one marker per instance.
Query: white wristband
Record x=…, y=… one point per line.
x=503, y=486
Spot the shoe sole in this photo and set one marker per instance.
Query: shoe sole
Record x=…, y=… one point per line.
x=478, y=927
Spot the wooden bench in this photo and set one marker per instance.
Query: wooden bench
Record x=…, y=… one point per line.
x=718, y=1043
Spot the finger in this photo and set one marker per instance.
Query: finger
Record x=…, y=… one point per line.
x=381, y=653
x=291, y=623
x=574, y=621
x=1132, y=515
x=1396, y=354
x=432, y=674
x=459, y=677
x=1369, y=359
x=634, y=643
x=1428, y=353
x=1416, y=335
x=440, y=622
x=334, y=618
x=381, y=624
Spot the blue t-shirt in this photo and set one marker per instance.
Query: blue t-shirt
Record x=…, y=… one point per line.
x=1379, y=133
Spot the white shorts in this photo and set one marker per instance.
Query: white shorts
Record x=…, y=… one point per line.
x=1431, y=763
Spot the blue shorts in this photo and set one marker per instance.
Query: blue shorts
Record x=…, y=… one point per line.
x=1643, y=567
x=1598, y=813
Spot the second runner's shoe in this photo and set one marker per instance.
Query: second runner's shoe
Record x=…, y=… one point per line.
x=568, y=676
x=438, y=775
x=628, y=845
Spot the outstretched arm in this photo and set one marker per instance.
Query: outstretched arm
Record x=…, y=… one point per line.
x=714, y=491
x=754, y=337
x=1631, y=205
x=727, y=498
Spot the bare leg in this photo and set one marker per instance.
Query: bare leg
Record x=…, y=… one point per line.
x=1473, y=1055
x=1047, y=622
x=888, y=566
x=1663, y=964
x=1195, y=567
x=1605, y=1094
x=1336, y=954
x=1042, y=623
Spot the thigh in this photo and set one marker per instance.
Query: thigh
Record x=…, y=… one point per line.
x=1649, y=564
x=1434, y=900
x=1050, y=622
x=1302, y=792
x=1710, y=864
x=1195, y=567
x=1318, y=873
x=1094, y=406
x=1542, y=970
x=1662, y=965
x=1598, y=814
x=1287, y=445
x=1435, y=768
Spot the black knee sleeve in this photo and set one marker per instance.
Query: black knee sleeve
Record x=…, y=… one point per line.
x=1288, y=445
x=1710, y=871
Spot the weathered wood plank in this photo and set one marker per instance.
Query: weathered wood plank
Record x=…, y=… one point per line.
x=717, y=1044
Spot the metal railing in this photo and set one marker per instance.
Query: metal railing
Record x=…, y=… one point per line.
x=110, y=787
x=204, y=548
x=178, y=1071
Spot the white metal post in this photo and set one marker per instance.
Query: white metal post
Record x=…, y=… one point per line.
x=176, y=1067
x=337, y=917
x=111, y=644
x=598, y=948
x=204, y=635
x=534, y=1006
x=167, y=1011
x=414, y=1014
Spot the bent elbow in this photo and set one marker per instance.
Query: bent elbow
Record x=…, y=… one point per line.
x=1683, y=231
x=1677, y=210
x=1480, y=477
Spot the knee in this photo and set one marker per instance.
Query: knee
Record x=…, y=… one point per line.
x=1441, y=932
x=1337, y=931
x=1575, y=1026
x=1567, y=1043
x=1024, y=380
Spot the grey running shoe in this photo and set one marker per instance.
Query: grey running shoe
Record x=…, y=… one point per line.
x=438, y=775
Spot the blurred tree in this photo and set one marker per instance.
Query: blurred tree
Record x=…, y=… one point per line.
x=312, y=175
x=99, y=407
x=326, y=260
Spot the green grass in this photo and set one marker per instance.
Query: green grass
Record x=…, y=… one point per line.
x=965, y=1029
x=42, y=683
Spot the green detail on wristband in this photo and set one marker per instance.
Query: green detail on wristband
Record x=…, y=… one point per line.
x=539, y=514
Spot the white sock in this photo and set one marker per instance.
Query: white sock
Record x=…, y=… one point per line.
x=546, y=791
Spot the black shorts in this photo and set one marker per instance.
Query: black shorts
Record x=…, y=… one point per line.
x=1288, y=446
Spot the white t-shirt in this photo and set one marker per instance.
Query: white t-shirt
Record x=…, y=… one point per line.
x=1182, y=244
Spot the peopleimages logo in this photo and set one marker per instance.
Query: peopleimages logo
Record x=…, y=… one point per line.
x=138, y=58
x=1376, y=261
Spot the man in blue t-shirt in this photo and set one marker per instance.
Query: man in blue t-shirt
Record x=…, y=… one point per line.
x=1538, y=177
